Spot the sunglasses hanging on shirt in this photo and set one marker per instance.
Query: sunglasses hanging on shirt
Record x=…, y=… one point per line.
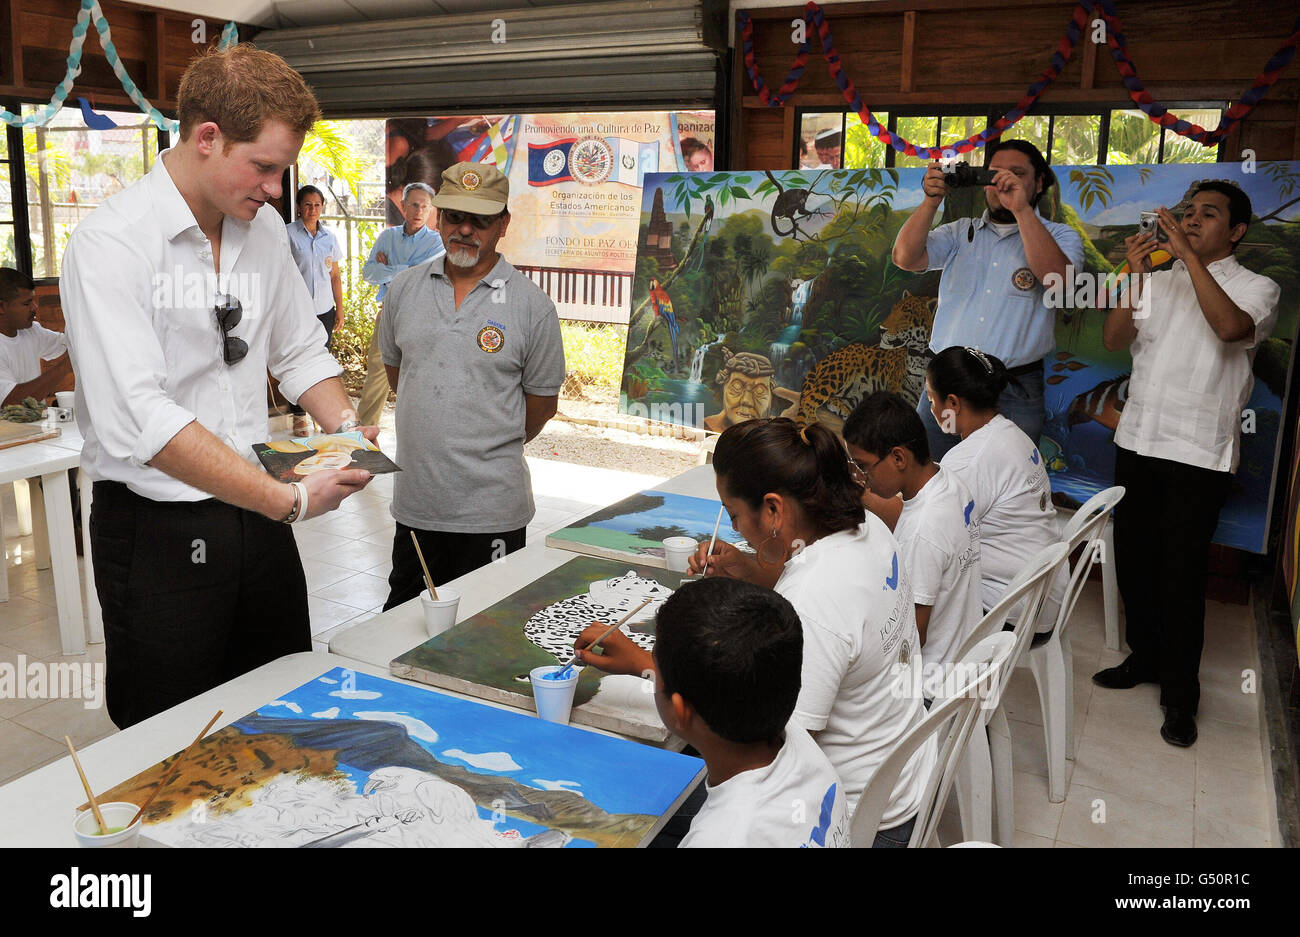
x=229, y=313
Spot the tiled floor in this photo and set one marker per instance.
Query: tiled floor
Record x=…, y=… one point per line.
x=1126, y=786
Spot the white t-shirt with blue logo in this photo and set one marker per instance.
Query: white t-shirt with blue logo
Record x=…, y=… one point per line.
x=859, y=647
x=1013, y=502
x=794, y=802
x=939, y=536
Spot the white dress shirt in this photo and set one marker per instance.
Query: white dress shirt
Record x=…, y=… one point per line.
x=1188, y=388
x=138, y=288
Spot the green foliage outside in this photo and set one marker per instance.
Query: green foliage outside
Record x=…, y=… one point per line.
x=594, y=352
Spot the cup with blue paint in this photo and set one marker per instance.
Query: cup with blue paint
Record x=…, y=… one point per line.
x=553, y=690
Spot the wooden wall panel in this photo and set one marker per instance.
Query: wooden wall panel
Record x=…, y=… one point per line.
x=983, y=54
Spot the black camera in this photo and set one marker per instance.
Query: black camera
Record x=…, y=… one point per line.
x=961, y=175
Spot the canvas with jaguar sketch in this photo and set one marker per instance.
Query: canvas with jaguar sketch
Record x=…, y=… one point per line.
x=351, y=760
x=766, y=293
x=491, y=654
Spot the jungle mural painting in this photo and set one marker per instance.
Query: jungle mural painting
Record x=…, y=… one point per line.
x=773, y=294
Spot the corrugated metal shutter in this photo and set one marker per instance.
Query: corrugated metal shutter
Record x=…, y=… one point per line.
x=625, y=54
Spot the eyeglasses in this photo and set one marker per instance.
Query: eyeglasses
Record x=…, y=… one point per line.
x=458, y=218
x=229, y=313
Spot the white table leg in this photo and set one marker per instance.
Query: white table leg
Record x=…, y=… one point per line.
x=23, y=502
x=40, y=530
x=94, y=614
x=1109, y=588
x=63, y=551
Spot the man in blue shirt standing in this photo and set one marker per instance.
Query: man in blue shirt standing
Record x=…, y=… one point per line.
x=991, y=294
x=396, y=248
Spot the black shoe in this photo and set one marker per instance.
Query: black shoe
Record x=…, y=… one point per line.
x=1179, y=728
x=1124, y=677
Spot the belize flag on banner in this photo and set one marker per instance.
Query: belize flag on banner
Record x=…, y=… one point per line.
x=548, y=163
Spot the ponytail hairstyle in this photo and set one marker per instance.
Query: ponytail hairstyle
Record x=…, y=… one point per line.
x=970, y=375
x=758, y=457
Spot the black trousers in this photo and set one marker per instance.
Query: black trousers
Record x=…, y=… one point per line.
x=1163, y=529
x=194, y=594
x=449, y=556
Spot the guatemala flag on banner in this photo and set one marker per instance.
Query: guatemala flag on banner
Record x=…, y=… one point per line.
x=632, y=160
x=549, y=162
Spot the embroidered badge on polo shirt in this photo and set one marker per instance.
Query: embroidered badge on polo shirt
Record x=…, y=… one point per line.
x=1023, y=279
x=491, y=338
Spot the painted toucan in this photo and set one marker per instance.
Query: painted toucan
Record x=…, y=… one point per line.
x=1157, y=257
x=663, y=308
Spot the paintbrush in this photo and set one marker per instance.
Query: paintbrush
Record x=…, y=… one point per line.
x=428, y=580
x=99, y=817
x=612, y=628
x=713, y=540
x=175, y=767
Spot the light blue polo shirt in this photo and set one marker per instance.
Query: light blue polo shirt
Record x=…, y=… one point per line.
x=314, y=257
x=988, y=296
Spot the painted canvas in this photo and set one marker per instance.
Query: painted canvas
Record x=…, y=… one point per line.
x=491, y=654
x=773, y=294
x=292, y=460
x=351, y=760
x=636, y=527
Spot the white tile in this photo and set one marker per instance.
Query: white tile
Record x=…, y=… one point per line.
x=316, y=543
x=1240, y=797
x=326, y=614
x=1228, y=744
x=321, y=574
x=23, y=750
x=1023, y=840
x=57, y=718
x=1147, y=770
x=1034, y=813
x=357, y=555
x=354, y=526
x=20, y=611
x=38, y=640
x=361, y=591
x=1106, y=819
x=1217, y=833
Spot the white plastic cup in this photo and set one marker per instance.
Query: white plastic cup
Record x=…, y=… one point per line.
x=678, y=551
x=66, y=399
x=440, y=613
x=116, y=813
x=554, y=698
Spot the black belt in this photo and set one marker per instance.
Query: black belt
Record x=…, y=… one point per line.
x=1025, y=369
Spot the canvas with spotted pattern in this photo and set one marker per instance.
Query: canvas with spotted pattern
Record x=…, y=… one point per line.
x=491, y=654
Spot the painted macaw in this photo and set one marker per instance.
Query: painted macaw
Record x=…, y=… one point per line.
x=1157, y=257
x=663, y=308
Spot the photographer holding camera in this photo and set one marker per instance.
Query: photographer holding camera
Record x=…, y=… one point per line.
x=1194, y=331
x=991, y=291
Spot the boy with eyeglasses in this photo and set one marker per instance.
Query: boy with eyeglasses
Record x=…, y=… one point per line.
x=180, y=294
x=938, y=528
x=473, y=348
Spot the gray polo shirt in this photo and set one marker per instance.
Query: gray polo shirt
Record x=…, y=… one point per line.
x=460, y=396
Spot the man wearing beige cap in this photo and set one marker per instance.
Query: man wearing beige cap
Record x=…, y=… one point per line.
x=473, y=348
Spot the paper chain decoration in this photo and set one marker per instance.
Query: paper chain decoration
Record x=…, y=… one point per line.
x=814, y=17
x=90, y=9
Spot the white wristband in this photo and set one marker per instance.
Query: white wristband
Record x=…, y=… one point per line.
x=302, y=507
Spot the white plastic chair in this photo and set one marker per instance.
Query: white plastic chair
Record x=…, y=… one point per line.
x=1049, y=657
x=986, y=771
x=951, y=720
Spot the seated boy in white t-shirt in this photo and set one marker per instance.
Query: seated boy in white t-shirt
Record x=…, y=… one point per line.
x=938, y=531
x=726, y=666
